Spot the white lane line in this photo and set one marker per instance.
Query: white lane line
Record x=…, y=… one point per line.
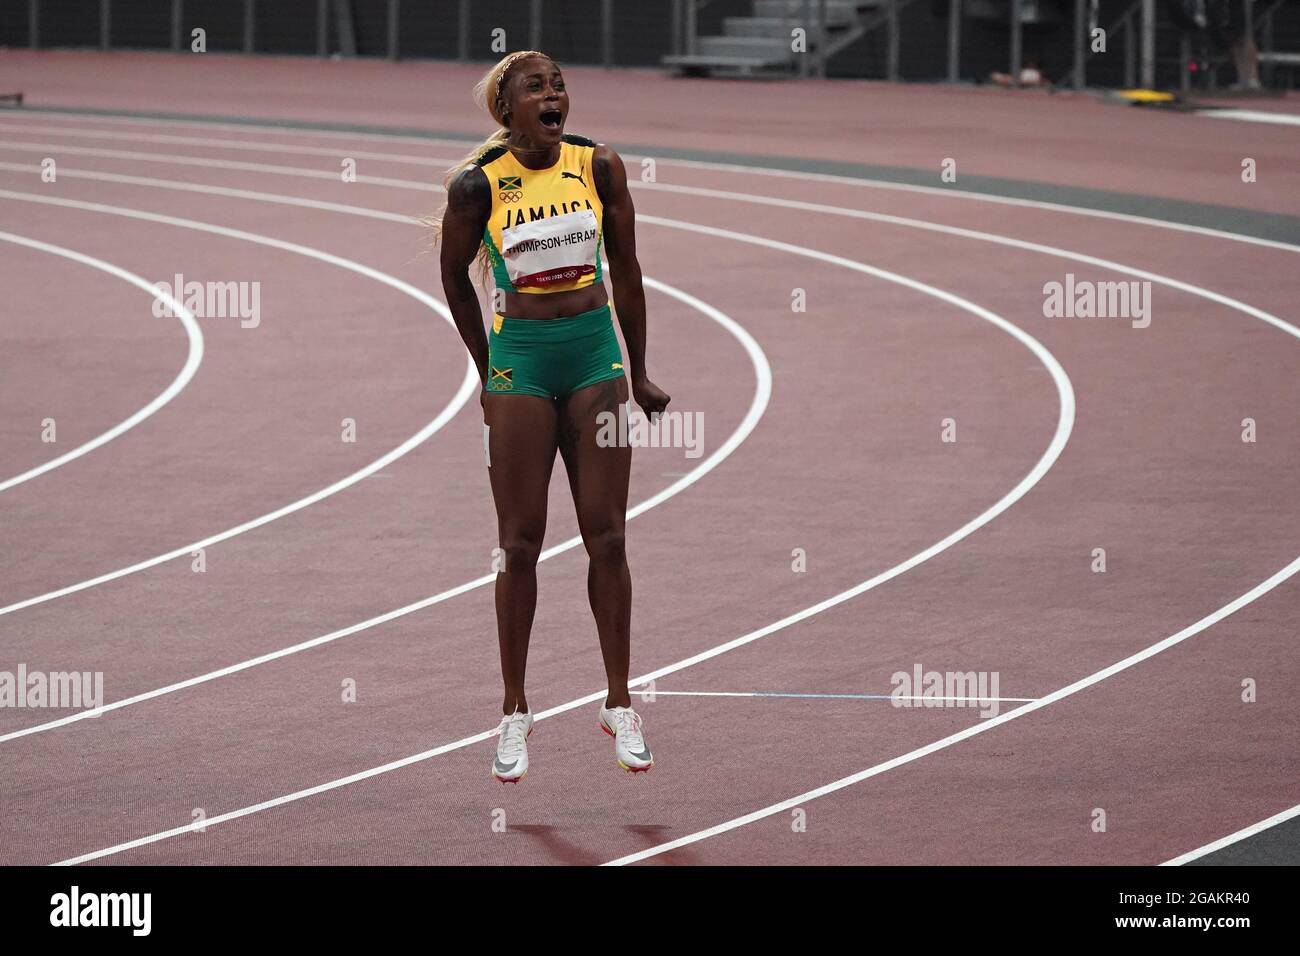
x=1205, y=622
x=468, y=388
x=928, y=226
x=1042, y=204
x=983, y=727
x=942, y=229
x=922, y=224
x=174, y=159
x=1237, y=837
x=763, y=373
x=757, y=406
x=227, y=191
x=644, y=693
x=411, y=139
x=336, y=153
x=805, y=176
x=1065, y=394
x=1000, y=240
x=192, y=359
x=968, y=233
x=1253, y=116
x=961, y=194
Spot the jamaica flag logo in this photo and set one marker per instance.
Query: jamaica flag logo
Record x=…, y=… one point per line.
x=511, y=188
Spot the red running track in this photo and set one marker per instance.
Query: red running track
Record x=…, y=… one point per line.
x=1132, y=444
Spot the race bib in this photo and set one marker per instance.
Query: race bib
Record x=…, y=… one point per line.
x=546, y=251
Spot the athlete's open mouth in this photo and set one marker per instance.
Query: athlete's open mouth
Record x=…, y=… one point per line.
x=551, y=119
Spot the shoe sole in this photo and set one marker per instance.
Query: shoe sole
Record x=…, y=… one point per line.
x=645, y=769
x=495, y=776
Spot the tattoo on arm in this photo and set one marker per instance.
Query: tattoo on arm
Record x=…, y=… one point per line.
x=469, y=203
x=471, y=195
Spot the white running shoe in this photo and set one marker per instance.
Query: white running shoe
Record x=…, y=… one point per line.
x=624, y=725
x=511, y=761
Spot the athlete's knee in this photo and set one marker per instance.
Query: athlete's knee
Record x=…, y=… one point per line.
x=607, y=547
x=521, y=551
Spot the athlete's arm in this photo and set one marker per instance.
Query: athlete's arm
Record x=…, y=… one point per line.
x=469, y=203
x=625, y=272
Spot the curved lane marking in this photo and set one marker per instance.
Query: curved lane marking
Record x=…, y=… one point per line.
x=762, y=394
x=1190, y=631
x=468, y=388
x=1064, y=425
x=193, y=357
x=771, y=171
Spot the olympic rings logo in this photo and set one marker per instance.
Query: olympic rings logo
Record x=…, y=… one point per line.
x=510, y=197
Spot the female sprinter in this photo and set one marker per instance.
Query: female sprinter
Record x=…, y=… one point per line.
x=536, y=206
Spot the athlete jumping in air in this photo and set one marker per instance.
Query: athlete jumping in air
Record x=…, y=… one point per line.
x=536, y=205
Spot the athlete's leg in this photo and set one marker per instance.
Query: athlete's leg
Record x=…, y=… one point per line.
x=598, y=477
x=521, y=452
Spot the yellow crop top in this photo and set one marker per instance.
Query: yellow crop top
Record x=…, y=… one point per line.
x=544, y=232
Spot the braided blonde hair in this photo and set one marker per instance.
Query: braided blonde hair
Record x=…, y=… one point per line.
x=491, y=80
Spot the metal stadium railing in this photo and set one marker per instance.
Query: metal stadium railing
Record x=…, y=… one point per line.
x=951, y=40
